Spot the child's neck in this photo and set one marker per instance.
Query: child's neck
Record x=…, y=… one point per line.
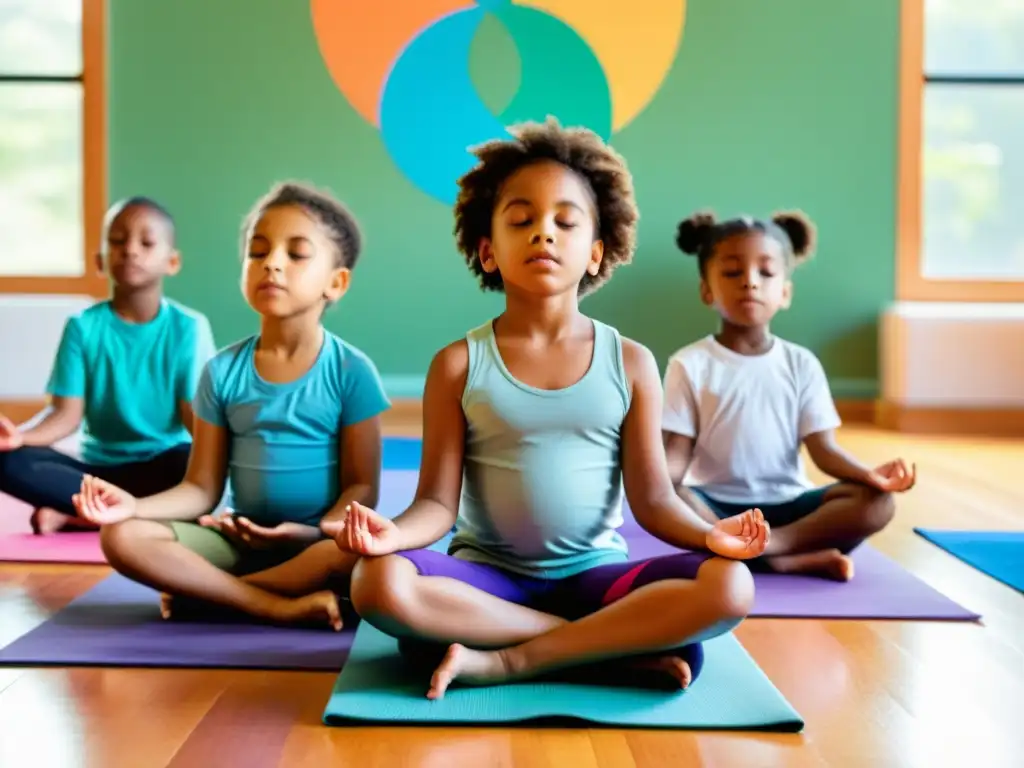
x=137, y=305
x=292, y=336
x=749, y=340
x=549, y=317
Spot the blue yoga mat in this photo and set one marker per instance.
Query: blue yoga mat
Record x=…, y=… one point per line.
x=731, y=693
x=402, y=452
x=999, y=554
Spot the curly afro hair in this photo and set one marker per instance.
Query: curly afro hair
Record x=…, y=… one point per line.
x=339, y=222
x=578, y=149
x=701, y=233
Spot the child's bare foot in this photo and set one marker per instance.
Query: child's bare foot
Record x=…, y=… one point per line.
x=829, y=563
x=166, y=606
x=45, y=521
x=317, y=608
x=672, y=667
x=468, y=666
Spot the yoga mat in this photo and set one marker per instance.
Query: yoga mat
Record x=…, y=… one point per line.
x=880, y=589
x=117, y=624
x=402, y=452
x=19, y=545
x=999, y=554
x=731, y=693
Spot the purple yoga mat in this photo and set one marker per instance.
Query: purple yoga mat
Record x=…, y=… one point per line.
x=881, y=589
x=117, y=623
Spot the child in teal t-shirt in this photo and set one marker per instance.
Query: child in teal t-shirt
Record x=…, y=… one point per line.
x=289, y=416
x=125, y=371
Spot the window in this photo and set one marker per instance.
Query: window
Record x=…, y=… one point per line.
x=51, y=144
x=962, y=151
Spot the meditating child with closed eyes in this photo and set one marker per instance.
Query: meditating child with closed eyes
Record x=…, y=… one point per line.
x=739, y=405
x=291, y=416
x=534, y=423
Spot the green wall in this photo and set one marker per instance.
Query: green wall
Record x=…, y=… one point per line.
x=781, y=104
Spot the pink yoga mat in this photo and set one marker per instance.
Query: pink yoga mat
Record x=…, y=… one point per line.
x=19, y=545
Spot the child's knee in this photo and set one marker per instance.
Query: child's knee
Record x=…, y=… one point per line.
x=881, y=511
x=875, y=508
x=122, y=538
x=730, y=586
x=380, y=587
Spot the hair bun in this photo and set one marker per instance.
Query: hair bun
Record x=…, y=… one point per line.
x=800, y=229
x=693, y=232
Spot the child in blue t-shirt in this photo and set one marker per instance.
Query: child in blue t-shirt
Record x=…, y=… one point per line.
x=126, y=370
x=291, y=417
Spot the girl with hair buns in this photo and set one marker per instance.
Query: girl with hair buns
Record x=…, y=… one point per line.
x=739, y=404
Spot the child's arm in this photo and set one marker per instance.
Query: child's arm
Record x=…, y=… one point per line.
x=361, y=457
x=60, y=419
x=204, y=482
x=678, y=454
x=819, y=420
x=434, y=510
x=679, y=422
x=66, y=388
x=834, y=461
x=199, y=493
x=657, y=507
x=195, y=356
x=104, y=503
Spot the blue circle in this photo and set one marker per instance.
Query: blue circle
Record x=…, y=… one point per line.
x=431, y=113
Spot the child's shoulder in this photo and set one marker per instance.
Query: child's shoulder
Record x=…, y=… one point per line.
x=797, y=356
x=92, y=316
x=347, y=358
x=700, y=351
x=234, y=354
x=184, y=316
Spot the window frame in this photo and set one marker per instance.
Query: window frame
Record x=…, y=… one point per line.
x=911, y=283
x=93, y=79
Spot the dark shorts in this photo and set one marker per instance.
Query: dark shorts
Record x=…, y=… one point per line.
x=570, y=598
x=777, y=515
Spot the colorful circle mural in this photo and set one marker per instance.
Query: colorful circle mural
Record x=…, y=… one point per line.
x=403, y=65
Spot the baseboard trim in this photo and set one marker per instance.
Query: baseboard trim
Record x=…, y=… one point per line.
x=406, y=416
x=977, y=422
x=856, y=411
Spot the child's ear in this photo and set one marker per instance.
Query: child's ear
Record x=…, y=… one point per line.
x=174, y=263
x=100, y=266
x=787, y=294
x=705, y=293
x=596, y=256
x=341, y=279
x=485, y=253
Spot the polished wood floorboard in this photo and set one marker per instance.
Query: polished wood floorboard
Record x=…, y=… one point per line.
x=873, y=693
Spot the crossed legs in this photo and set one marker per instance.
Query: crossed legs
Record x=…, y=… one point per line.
x=648, y=614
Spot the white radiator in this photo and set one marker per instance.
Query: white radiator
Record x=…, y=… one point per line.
x=952, y=355
x=30, y=329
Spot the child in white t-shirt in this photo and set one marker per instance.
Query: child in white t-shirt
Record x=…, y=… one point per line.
x=739, y=404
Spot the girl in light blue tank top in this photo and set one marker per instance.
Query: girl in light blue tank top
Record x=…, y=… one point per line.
x=535, y=427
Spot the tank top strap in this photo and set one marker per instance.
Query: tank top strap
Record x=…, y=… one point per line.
x=608, y=356
x=478, y=343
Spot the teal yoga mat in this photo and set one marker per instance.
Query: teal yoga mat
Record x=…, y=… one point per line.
x=375, y=687
x=999, y=554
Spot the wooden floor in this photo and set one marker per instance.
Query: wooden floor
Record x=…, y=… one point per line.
x=874, y=694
